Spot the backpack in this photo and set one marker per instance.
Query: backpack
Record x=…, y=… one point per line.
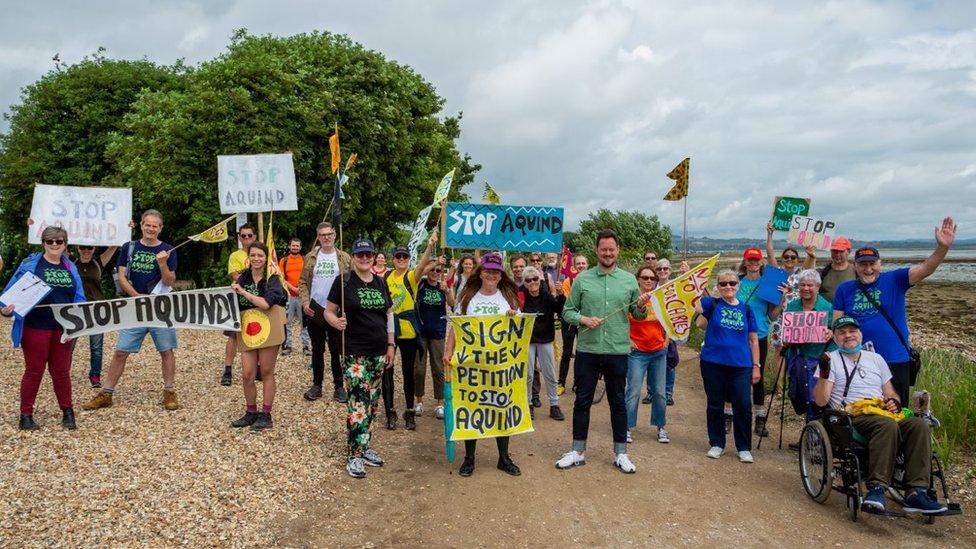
x=798, y=379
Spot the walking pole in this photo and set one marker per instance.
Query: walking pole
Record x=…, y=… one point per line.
x=782, y=409
x=772, y=394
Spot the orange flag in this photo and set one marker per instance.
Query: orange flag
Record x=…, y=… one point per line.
x=334, y=148
x=680, y=176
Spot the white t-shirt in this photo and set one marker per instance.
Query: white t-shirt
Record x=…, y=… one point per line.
x=869, y=373
x=485, y=305
x=325, y=273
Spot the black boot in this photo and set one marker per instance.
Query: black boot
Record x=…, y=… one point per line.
x=760, y=428
x=68, y=421
x=246, y=420
x=225, y=379
x=262, y=422
x=27, y=423
x=467, y=467
x=391, y=419
x=409, y=420
x=506, y=464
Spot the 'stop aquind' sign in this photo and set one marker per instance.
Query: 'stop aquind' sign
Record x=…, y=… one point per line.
x=499, y=227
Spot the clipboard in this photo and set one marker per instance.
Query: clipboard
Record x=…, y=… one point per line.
x=25, y=294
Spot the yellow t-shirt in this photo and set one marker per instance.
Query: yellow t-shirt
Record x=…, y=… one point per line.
x=237, y=262
x=402, y=300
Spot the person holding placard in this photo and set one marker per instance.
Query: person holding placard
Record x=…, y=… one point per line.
x=750, y=271
x=876, y=300
x=434, y=299
x=648, y=356
x=37, y=332
x=323, y=264
x=359, y=304
x=663, y=271
x=236, y=264
x=255, y=290
x=146, y=266
x=90, y=271
x=489, y=291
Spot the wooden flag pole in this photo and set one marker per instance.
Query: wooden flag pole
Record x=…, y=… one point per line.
x=261, y=226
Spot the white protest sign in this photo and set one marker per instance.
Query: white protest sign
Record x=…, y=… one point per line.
x=27, y=292
x=418, y=235
x=93, y=216
x=812, y=231
x=256, y=183
x=209, y=309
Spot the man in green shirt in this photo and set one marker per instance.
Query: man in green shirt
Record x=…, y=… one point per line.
x=598, y=303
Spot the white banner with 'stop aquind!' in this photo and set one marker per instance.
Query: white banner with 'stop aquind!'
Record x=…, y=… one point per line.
x=209, y=309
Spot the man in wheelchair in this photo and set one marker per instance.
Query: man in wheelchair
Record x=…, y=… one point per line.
x=850, y=374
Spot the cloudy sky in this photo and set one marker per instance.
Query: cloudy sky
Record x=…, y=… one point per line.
x=869, y=108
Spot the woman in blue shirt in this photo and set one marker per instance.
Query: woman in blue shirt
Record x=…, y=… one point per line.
x=750, y=271
x=729, y=364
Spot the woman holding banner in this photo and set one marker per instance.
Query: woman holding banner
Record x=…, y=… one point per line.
x=39, y=334
x=750, y=271
x=489, y=291
x=359, y=305
x=648, y=355
x=729, y=364
x=255, y=289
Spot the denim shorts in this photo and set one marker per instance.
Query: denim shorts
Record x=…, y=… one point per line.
x=130, y=339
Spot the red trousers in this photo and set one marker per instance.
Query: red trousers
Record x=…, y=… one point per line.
x=43, y=348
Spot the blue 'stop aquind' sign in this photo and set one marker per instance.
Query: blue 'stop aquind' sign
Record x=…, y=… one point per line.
x=498, y=227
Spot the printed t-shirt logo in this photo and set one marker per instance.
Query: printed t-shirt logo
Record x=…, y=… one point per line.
x=862, y=306
x=252, y=288
x=732, y=319
x=486, y=309
x=57, y=278
x=370, y=298
x=143, y=262
x=432, y=297
x=325, y=269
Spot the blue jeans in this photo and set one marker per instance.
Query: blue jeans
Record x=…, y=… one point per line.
x=587, y=370
x=95, y=343
x=734, y=383
x=130, y=339
x=669, y=381
x=654, y=365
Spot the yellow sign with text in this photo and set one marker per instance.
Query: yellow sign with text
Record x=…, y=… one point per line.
x=489, y=368
x=674, y=302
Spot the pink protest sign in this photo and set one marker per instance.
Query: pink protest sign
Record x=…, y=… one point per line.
x=805, y=327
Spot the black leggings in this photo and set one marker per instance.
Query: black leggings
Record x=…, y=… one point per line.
x=408, y=356
x=569, y=338
x=319, y=334
x=470, y=445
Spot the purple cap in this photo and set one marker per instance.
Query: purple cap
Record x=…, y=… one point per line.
x=492, y=260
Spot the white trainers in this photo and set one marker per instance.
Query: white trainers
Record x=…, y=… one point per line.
x=571, y=459
x=419, y=409
x=662, y=436
x=715, y=452
x=356, y=467
x=745, y=456
x=624, y=464
x=372, y=459
x=439, y=412
x=630, y=438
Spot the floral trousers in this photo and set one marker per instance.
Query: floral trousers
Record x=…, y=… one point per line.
x=364, y=378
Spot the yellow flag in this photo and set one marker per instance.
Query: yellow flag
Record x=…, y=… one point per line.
x=217, y=233
x=334, y=149
x=351, y=160
x=674, y=302
x=680, y=176
x=272, y=253
x=490, y=195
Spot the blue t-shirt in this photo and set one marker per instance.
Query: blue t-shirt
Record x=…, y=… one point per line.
x=143, y=271
x=431, y=310
x=749, y=294
x=62, y=291
x=888, y=290
x=727, y=333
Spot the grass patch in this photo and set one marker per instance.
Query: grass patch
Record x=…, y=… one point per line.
x=950, y=377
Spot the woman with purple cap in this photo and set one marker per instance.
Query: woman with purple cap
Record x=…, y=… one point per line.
x=359, y=305
x=489, y=291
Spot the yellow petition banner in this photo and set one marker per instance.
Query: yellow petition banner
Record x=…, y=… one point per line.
x=489, y=370
x=674, y=303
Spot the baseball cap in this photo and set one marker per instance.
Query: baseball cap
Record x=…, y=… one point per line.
x=362, y=245
x=491, y=260
x=840, y=244
x=401, y=250
x=845, y=321
x=866, y=254
x=752, y=253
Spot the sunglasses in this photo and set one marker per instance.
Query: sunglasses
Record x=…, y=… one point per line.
x=247, y=236
x=650, y=258
x=321, y=235
x=438, y=270
x=648, y=278
x=726, y=283
x=790, y=257
x=533, y=279
x=401, y=256
x=662, y=269
x=362, y=255
x=86, y=248
x=54, y=242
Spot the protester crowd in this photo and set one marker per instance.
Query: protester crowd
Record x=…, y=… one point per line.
x=363, y=312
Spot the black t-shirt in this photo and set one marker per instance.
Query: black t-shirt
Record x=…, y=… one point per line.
x=270, y=289
x=431, y=310
x=365, y=306
x=62, y=291
x=548, y=307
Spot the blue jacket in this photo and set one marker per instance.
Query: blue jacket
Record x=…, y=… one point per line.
x=29, y=265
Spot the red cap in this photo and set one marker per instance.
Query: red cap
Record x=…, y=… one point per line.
x=752, y=253
x=841, y=244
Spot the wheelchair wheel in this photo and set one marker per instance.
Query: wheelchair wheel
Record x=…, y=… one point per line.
x=816, y=461
x=854, y=490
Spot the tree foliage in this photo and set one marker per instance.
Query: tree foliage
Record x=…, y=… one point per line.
x=638, y=232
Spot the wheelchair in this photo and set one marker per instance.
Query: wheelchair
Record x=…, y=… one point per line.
x=834, y=456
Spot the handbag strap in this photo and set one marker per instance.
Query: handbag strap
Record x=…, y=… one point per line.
x=884, y=313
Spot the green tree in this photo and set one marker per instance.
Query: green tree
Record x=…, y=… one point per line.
x=638, y=232
x=268, y=94
x=60, y=131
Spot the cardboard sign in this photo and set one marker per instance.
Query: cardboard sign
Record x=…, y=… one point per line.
x=488, y=388
x=785, y=207
x=769, y=284
x=805, y=327
x=261, y=329
x=93, y=216
x=210, y=309
x=499, y=227
x=256, y=183
x=812, y=231
x=674, y=303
